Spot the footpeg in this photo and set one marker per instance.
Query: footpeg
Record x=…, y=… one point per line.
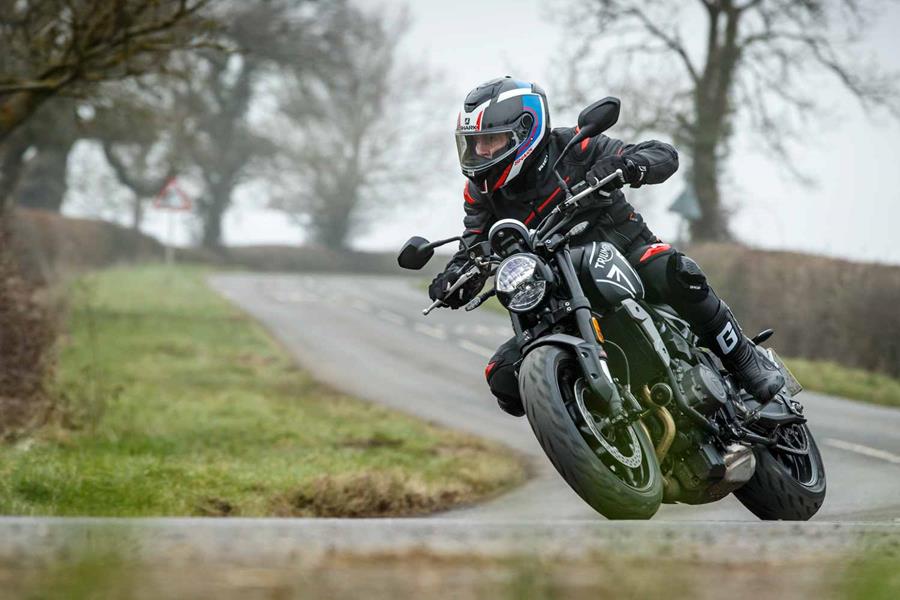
x=762, y=336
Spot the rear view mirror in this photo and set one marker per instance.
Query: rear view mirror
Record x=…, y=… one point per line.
x=593, y=120
x=599, y=116
x=415, y=253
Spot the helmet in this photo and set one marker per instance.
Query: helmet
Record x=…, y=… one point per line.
x=501, y=127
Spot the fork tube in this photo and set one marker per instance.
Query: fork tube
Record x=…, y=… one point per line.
x=579, y=300
x=591, y=354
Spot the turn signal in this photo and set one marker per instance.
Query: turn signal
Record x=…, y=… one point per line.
x=597, y=332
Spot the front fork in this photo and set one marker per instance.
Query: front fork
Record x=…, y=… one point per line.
x=590, y=353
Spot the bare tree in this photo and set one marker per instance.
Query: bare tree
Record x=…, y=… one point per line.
x=273, y=40
x=125, y=120
x=55, y=46
x=367, y=139
x=51, y=134
x=756, y=60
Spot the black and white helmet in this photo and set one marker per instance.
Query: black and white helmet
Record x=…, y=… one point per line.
x=502, y=127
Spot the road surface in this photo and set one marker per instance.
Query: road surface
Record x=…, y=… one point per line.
x=366, y=335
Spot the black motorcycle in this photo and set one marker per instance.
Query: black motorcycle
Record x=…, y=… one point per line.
x=627, y=405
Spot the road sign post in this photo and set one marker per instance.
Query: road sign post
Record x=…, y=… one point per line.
x=172, y=199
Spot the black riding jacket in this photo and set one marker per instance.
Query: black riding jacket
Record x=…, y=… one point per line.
x=531, y=195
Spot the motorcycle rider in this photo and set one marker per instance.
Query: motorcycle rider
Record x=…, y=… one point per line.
x=506, y=149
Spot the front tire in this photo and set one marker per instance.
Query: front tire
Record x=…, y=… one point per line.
x=548, y=382
x=787, y=486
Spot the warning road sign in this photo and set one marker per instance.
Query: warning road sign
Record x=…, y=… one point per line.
x=172, y=197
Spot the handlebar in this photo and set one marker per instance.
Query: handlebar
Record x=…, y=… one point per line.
x=596, y=187
x=548, y=222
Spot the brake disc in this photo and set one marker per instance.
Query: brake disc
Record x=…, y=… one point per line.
x=633, y=461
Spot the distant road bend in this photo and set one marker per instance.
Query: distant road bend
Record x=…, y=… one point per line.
x=431, y=367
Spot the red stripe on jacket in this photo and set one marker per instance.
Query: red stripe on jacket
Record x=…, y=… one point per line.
x=544, y=203
x=467, y=195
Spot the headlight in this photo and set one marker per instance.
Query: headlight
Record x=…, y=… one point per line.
x=515, y=271
x=518, y=287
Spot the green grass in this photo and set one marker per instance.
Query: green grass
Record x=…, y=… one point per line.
x=172, y=402
x=857, y=384
x=114, y=568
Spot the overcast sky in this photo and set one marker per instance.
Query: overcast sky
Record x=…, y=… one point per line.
x=853, y=212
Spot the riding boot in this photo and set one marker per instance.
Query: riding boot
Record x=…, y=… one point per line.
x=760, y=377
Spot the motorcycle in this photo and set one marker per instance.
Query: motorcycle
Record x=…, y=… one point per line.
x=625, y=402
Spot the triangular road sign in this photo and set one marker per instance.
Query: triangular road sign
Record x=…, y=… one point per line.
x=172, y=197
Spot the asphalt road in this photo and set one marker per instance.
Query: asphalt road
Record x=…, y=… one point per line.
x=366, y=335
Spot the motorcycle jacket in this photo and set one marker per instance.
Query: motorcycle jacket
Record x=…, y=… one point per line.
x=532, y=195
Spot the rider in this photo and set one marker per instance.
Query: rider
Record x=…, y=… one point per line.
x=506, y=148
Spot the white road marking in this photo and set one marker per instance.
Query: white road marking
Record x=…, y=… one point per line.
x=864, y=450
x=359, y=305
x=390, y=317
x=483, y=330
x=294, y=297
x=475, y=348
x=435, y=332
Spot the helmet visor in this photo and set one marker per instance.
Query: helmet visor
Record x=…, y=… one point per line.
x=480, y=150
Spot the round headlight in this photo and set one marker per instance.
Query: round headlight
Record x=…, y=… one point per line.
x=519, y=287
x=527, y=297
x=514, y=271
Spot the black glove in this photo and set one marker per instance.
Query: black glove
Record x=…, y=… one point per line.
x=608, y=165
x=444, y=281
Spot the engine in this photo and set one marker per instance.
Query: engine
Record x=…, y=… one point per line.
x=703, y=389
x=703, y=470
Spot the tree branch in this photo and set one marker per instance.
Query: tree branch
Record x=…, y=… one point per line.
x=673, y=42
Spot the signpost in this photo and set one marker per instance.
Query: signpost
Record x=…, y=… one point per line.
x=171, y=198
x=688, y=208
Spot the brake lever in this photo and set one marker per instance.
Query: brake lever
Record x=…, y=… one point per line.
x=458, y=284
x=595, y=187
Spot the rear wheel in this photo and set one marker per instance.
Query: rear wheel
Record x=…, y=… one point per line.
x=789, y=482
x=614, y=470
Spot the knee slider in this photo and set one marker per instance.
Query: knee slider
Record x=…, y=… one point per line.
x=686, y=278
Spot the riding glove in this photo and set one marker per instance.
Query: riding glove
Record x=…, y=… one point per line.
x=631, y=172
x=460, y=297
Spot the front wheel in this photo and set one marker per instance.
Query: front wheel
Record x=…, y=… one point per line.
x=615, y=471
x=789, y=482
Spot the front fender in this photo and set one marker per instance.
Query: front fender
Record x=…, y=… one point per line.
x=592, y=359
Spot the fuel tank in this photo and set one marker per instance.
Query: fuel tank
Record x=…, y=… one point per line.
x=606, y=276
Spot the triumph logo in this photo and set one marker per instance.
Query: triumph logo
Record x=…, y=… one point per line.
x=605, y=255
x=616, y=274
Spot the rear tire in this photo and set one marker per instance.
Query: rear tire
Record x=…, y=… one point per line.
x=544, y=379
x=784, y=487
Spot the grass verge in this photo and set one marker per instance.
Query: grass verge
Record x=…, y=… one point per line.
x=100, y=573
x=856, y=384
x=174, y=403
x=815, y=375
